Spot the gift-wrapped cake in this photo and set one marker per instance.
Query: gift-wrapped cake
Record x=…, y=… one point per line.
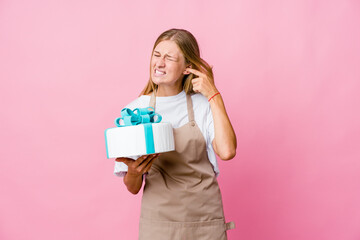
x=138, y=132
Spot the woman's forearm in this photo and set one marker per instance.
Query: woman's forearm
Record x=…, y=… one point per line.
x=133, y=182
x=136, y=168
x=224, y=142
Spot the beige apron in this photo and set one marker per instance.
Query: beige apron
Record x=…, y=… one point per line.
x=182, y=199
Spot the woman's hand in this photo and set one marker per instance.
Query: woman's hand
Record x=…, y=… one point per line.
x=136, y=169
x=139, y=166
x=203, y=84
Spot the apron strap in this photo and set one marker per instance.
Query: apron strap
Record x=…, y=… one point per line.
x=229, y=225
x=190, y=108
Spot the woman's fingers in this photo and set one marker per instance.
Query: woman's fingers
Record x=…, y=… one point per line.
x=140, y=165
x=140, y=160
x=144, y=165
x=203, y=86
x=195, y=83
x=196, y=72
x=147, y=168
x=127, y=161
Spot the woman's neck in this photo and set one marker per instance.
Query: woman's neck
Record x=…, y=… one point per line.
x=163, y=91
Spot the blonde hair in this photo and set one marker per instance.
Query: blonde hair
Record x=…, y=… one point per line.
x=190, y=49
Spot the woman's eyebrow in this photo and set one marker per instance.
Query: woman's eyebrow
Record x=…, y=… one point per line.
x=165, y=54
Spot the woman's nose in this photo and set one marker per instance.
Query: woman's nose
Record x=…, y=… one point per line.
x=160, y=62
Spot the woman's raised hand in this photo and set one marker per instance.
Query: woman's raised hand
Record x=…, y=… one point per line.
x=202, y=83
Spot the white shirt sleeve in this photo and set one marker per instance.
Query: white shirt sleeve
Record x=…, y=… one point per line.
x=210, y=125
x=210, y=137
x=120, y=169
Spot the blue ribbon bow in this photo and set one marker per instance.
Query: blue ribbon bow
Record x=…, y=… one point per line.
x=137, y=116
x=145, y=116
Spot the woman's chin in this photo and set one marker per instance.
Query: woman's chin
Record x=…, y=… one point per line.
x=158, y=80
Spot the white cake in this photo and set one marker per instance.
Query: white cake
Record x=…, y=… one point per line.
x=131, y=141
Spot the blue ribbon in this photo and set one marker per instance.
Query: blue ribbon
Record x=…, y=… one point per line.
x=137, y=116
x=145, y=116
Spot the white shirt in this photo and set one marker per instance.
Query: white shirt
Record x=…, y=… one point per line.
x=173, y=109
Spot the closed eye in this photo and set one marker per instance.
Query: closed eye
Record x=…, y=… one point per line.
x=171, y=58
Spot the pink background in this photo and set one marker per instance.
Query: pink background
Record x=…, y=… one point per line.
x=289, y=72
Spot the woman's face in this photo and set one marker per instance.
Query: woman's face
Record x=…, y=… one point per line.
x=167, y=64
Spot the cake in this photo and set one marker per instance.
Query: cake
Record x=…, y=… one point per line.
x=140, y=139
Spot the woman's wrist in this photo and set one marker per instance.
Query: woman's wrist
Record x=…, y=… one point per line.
x=133, y=182
x=213, y=95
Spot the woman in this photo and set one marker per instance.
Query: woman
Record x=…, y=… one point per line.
x=181, y=197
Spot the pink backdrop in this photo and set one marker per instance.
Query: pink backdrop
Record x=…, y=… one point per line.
x=289, y=73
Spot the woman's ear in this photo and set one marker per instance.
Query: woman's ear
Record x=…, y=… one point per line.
x=186, y=71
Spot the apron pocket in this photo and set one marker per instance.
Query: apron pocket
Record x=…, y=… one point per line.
x=163, y=230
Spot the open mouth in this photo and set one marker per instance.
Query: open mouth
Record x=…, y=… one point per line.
x=159, y=73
